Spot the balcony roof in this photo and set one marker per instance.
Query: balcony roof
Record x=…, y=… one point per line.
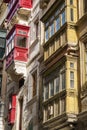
x=16, y=26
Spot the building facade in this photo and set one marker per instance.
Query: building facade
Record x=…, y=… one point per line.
x=43, y=64
x=60, y=71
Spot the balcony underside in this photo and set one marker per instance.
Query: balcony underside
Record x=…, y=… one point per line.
x=17, y=69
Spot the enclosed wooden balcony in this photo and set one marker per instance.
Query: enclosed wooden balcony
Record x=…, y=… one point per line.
x=17, y=49
x=19, y=8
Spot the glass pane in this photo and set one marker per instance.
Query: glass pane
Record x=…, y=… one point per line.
x=72, y=75
x=63, y=81
x=51, y=29
x=51, y=88
x=46, y=35
x=46, y=92
x=72, y=83
x=57, y=24
x=71, y=2
x=56, y=82
x=63, y=17
x=2, y=42
x=21, y=41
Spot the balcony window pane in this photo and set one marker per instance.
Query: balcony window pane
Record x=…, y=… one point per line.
x=71, y=2
x=57, y=24
x=47, y=35
x=56, y=84
x=63, y=17
x=46, y=92
x=2, y=42
x=71, y=15
x=63, y=80
x=51, y=29
x=21, y=41
x=71, y=79
x=62, y=105
x=51, y=88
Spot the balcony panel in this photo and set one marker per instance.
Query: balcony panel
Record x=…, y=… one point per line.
x=21, y=54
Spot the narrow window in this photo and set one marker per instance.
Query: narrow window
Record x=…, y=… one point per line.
x=63, y=80
x=57, y=107
x=71, y=65
x=71, y=2
x=50, y=110
x=62, y=105
x=46, y=35
x=51, y=29
x=57, y=24
x=36, y=25
x=71, y=79
x=46, y=92
x=51, y=88
x=56, y=84
x=63, y=18
x=34, y=77
x=71, y=14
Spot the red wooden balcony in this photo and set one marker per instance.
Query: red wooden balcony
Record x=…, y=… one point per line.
x=12, y=109
x=22, y=6
x=17, y=45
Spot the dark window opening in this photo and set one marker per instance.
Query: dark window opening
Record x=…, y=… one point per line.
x=34, y=76
x=71, y=2
x=21, y=82
x=71, y=14
x=21, y=41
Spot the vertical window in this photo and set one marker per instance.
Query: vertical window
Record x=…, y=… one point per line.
x=57, y=24
x=34, y=77
x=63, y=80
x=46, y=92
x=71, y=79
x=62, y=103
x=50, y=110
x=71, y=65
x=71, y=14
x=51, y=88
x=57, y=107
x=56, y=84
x=71, y=2
x=51, y=29
x=63, y=18
x=47, y=35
